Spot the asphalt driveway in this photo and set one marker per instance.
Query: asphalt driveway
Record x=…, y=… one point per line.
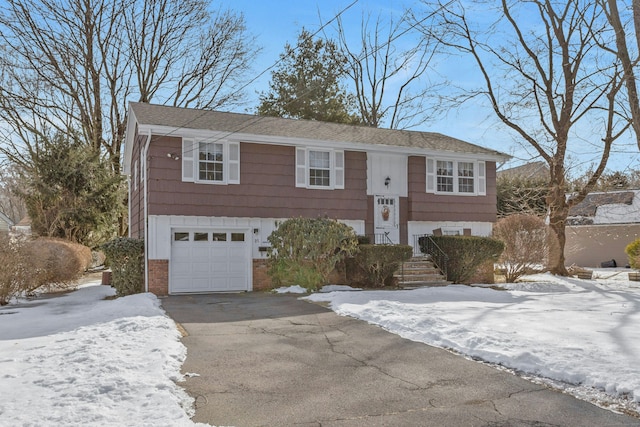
x=273, y=360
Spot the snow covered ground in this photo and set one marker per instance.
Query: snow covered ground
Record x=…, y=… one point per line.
x=78, y=359
x=582, y=336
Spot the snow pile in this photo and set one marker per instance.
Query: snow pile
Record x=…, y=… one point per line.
x=297, y=289
x=78, y=359
x=577, y=332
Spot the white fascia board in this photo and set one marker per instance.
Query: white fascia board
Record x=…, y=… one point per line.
x=128, y=142
x=306, y=142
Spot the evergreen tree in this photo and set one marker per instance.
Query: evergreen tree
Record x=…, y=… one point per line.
x=70, y=192
x=306, y=84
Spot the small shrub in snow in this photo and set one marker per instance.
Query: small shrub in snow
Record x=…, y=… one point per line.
x=126, y=260
x=633, y=252
x=466, y=254
x=529, y=244
x=378, y=263
x=304, y=251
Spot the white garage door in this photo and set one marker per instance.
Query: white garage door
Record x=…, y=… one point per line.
x=209, y=260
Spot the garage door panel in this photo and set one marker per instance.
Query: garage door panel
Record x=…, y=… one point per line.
x=208, y=261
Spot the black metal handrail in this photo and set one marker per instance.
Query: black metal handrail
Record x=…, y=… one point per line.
x=426, y=245
x=379, y=239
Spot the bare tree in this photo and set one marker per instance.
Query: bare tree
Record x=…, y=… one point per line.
x=10, y=204
x=390, y=83
x=628, y=61
x=545, y=79
x=74, y=64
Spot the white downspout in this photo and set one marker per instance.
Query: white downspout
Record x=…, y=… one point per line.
x=144, y=170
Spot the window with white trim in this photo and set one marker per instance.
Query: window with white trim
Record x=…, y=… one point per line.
x=456, y=177
x=210, y=162
x=466, y=182
x=318, y=168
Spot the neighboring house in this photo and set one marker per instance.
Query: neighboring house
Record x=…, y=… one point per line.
x=5, y=223
x=207, y=188
x=534, y=170
x=601, y=226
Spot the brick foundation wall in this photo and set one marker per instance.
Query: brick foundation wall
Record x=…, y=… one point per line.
x=261, y=280
x=159, y=276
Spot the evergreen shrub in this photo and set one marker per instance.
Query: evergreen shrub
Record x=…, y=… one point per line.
x=376, y=264
x=466, y=254
x=304, y=251
x=126, y=259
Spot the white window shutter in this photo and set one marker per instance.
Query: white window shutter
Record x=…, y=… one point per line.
x=482, y=179
x=431, y=175
x=188, y=159
x=339, y=169
x=135, y=176
x=301, y=167
x=142, y=171
x=234, y=163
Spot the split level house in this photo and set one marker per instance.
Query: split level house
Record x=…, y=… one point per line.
x=207, y=188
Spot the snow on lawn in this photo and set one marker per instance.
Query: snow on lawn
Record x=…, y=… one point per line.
x=580, y=335
x=79, y=359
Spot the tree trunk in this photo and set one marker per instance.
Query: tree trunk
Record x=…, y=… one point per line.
x=558, y=212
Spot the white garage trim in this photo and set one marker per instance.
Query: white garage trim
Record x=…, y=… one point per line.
x=210, y=259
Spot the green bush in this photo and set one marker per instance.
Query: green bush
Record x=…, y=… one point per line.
x=633, y=252
x=466, y=254
x=126, y=260
x=378, y=263
x=304, y=251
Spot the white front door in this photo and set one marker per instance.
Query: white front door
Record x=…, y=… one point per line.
x=386, y=218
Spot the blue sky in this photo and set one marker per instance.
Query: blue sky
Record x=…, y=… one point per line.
x=276, y=22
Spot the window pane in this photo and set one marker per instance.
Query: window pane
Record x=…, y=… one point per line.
x=465, y=180
x=211, y=162
x=319, y=168
x=181, y=237
x=445, y=184
x=200, y=237
x=444, y=174
x=237, y=237
x=445, y=168
x=319, y=159
x=319, y=177
x=219, y=237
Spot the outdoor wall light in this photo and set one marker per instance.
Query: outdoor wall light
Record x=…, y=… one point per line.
x=387, y=181
x=173, y=156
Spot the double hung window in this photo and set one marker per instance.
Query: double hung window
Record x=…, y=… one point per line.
x=210, y=162
x=319, y=168
x=456, y=177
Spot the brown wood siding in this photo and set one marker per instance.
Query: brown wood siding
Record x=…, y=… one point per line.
x=423, y=206
x=266, y=190
x=136, y=201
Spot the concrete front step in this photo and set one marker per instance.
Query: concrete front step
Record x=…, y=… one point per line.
x=419, y=277
x=416, y=285
x=419, y=272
